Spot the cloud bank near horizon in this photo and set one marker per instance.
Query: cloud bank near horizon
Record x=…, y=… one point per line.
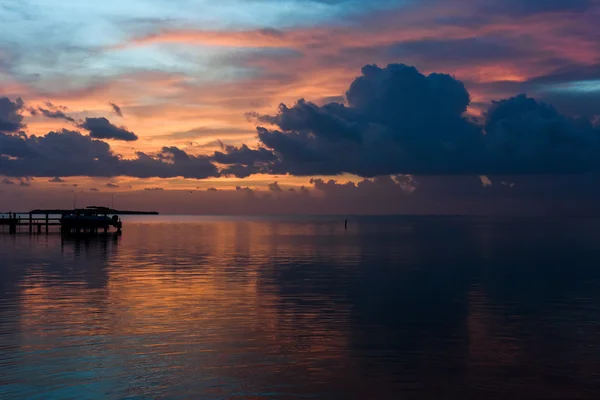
x=382, y=195
x=396, y=121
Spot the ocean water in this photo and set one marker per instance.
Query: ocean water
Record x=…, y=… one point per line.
x=299, y=308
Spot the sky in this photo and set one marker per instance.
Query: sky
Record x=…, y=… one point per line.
x=301, y=106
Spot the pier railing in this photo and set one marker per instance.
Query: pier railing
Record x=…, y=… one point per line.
x=30, y=222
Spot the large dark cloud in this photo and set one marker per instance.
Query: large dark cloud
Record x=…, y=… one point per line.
x=243, y=161
x=170, y=162
x=101, y=128
x=243, y=155
x=404, y=122
x=11, y=119
x=399, y=121
x=327, y=121
x=69, y=153
x=574, y=102
x=526, y=136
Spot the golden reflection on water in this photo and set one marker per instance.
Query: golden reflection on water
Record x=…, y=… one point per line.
x=176, y=293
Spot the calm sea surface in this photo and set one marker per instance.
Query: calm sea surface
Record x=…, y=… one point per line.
x=291, y=308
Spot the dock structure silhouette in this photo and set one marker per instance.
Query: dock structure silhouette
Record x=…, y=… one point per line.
x=89, y=220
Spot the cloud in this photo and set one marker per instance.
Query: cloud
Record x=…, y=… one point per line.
x=480, y=50
x=69, y=153
x=117, y=109
x=243, y=155
x=377, y=187
x=112, y=185
x=395, y=120
x=203, y=132
x=52, y=106
x=101, y=128
x=399, y=121
x=574, y=103
x=11, y=119
x=327, y=121
x=259, y=38
x=245, y=190
x=573, y=88
x=243, y=161
x=569, y=73
x=52, y=112
x=274, y=187
x=462, y=194
x=171, y=162
x=525, y=136
x=94, y=190
x=55, y=114
x=541, y=195
x=56, y=179
x=485, y=181
x=529, y=7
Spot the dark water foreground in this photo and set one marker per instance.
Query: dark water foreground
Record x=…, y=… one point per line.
x=217, y=308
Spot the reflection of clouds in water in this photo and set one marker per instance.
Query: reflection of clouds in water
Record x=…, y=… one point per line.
x=221, y=279
x=287, y=306
x=69, y=288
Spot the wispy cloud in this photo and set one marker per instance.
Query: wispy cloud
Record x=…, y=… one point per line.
x=117, y=109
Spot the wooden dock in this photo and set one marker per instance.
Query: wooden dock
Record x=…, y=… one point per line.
x=87, y=220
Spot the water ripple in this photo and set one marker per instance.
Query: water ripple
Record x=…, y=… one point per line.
x=220, y=308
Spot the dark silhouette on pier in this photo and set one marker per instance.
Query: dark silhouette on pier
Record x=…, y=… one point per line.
x=91, y=219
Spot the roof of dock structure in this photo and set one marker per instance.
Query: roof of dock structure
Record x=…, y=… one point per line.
x=90, y=210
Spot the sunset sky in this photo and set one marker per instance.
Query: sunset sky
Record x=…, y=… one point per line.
x=421, y=105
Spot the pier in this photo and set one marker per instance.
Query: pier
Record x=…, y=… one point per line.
x=89, y=220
